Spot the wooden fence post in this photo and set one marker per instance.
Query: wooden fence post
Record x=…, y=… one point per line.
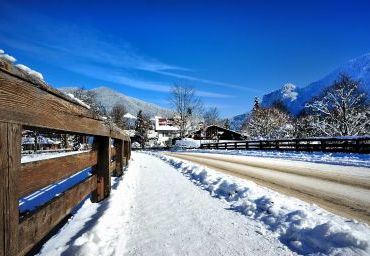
x=101, y=169
x=126, y=151
x=10, y=165
x=119, y=157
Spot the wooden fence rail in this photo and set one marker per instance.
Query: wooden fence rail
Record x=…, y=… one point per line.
x=26, y=103
x=351, y=145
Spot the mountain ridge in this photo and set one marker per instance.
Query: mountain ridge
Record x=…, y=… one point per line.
x=295, y=98
x=357, y=68
x=109, y=97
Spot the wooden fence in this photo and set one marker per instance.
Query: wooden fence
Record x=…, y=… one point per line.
x=26, y=103
x=352, y=145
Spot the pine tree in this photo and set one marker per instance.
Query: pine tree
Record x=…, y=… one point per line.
x=142, y=125
x=256, y=104
x=227, y=124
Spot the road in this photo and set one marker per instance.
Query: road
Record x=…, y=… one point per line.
x=343, y=190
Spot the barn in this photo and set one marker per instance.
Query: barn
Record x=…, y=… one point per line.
x=215, y=132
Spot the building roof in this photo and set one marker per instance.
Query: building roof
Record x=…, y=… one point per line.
x=165, y=124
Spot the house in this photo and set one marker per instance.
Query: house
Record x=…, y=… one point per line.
x=166, y=130
x=215, y=132
x=43, y=142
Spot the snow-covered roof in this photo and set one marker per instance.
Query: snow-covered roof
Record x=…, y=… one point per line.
x=165, y=124
x=130, y=133
x=129, y=116
x=40, y=140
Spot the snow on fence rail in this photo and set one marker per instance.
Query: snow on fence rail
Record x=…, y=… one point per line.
x=351, y=145
x=30, y=104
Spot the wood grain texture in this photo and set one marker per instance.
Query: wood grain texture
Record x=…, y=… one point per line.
x=112, y=167
x=10, y=164
x=39, y=174
x=102, y=168
x=119, y=158
x=23, y=103
x=127, y=151
x=3, y=186
x=38, y=224
x=113, y=151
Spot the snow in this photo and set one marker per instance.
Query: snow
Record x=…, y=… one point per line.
x=40, y=140
x=357, y=68
x=44, y=156
x=7, y=57
x=97, y=229
x=109, y=98
x=187, y=143
x=347, y=159
x=42, y=196
x=288, y=91
x=78, y=100
x=30, y=71
x=304, y=228
x=154, y=210
x=1, y=51
x=129, y=116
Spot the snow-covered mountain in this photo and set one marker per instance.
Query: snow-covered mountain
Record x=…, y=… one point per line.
x=109, y=98
x=236, y=122
x=295, y=98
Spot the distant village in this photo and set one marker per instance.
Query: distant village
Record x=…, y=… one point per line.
x=162, y=133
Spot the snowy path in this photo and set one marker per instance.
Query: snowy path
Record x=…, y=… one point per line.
x=155, y=210
x=171, y=216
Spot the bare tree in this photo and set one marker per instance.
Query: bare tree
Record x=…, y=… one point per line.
x=89, y=97
x=186, y=104
x=341, y=110
x=118, y=115
x=212, y=116
x=268, y=123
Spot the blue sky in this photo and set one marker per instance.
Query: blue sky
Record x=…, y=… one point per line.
x=230, y=51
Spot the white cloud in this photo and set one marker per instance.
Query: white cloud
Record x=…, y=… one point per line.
x=107, y=75
x=97, y=47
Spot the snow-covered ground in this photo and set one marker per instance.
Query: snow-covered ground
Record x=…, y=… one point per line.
x=167, y=206
x=154, y=210
x=305, y=228
x=348, y=159
x=43, y=156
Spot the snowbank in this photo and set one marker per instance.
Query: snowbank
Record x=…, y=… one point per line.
x=348, y=159
x=304, y=228
x=187, y=143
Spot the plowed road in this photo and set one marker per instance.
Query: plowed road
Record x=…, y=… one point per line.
x=344, y=190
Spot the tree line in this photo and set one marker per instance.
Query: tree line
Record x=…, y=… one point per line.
x=341, y=110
